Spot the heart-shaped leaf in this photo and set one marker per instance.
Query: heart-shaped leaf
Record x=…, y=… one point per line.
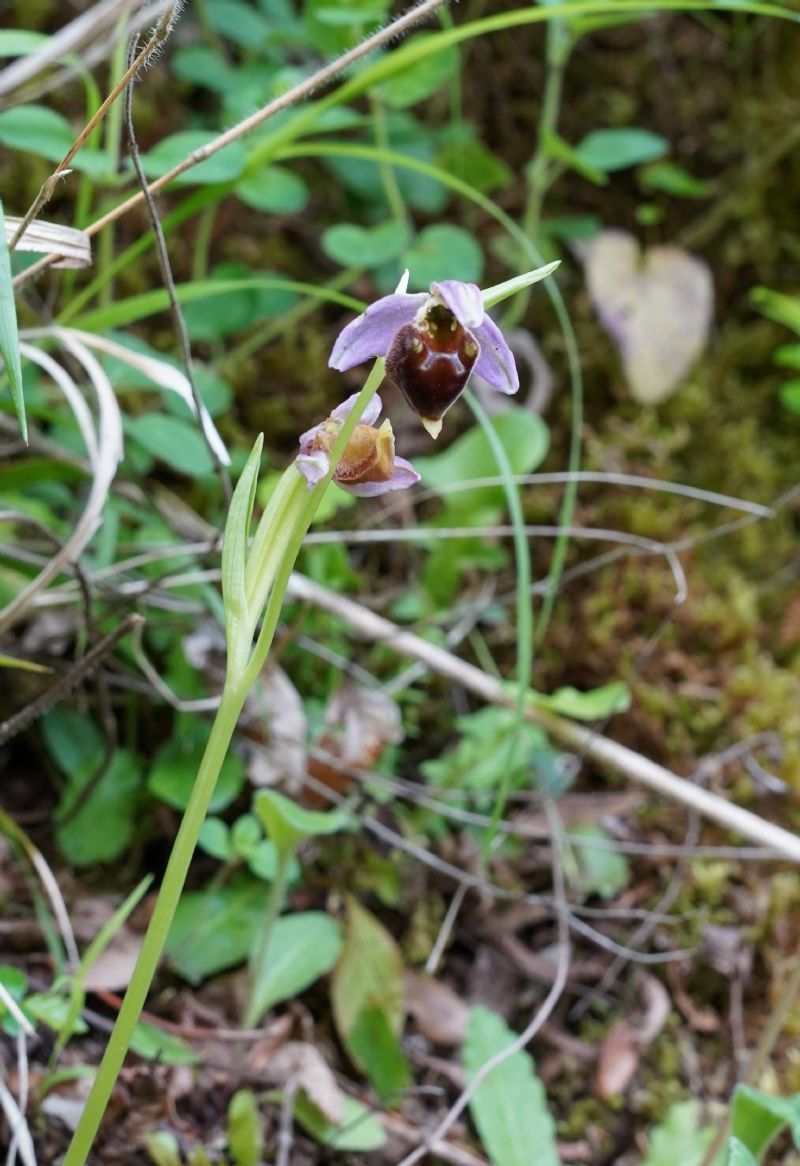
x=656, y=306
x=349, y=244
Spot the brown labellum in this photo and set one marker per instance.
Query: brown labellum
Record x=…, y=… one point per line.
x=430, y=362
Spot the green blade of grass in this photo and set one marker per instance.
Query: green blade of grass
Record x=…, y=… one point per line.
x=9, y=338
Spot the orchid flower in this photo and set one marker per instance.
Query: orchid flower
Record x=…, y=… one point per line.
x=434, y=343
x=368, y=465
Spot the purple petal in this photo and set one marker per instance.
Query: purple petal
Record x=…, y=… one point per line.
x=371, y=333
x=463, y=299
x=368, y=417
x=496, y=361
x=313, y=467
x=404, y=475
x=307, y=438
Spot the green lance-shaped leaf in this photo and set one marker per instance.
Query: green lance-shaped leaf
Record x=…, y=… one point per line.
x=234, y=555
x=509, y=1107
x=9, y=337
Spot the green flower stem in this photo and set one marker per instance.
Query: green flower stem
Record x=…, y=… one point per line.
x=174, y=878
x=258, y=960
x=275, y=547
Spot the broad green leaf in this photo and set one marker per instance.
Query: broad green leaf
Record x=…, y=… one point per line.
x=54, y=1010
x=351, y=245
x=681, y=1139
x=739, y=1155
x=74, y=742
x=302, y=947
x=360, y=1131
x=15, y=982
x=509, y=1108
x=274, y=190
x=103, y=827
x=587, y=706
x=245, y=1133
x=368, y=978
x=9, y=336
x=215, y=928
x=154, y=1044
x=224, y=166
x=617, y=149
x=444, y=251
x=756, y=1117
x=177, y=443
x=174, y=773
x=287, y=823
x=525, y=439
x=241, y=23
x=675, y=180
x=421, y=80
x=602, y=870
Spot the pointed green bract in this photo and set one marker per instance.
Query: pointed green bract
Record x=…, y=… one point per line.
x=509, y=287
x=9, y=337
x=234, y=556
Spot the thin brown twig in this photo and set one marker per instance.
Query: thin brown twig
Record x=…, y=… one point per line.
x=178, y=321
x=157, y=38
x=300, y=91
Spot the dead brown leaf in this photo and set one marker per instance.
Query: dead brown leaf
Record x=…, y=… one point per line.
x=113, y=968
x=438, y=1012
x=303, y=1065
x=619, y=1060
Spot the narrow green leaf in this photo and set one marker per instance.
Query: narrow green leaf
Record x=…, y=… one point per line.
x=559, y=150
x=163, y=1148
x=373, y=1045
x=245, y=1135
x=155, y=1044
x=509, y=1107
x=617, y=149
x=680, y=1138
x=234, y=556
x=9, y=336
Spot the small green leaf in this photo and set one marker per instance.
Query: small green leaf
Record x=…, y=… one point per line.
x=245, y=1134
x=374, y=1046
x=360, y=1130
x=757, y=1117
x=464, y=156
x=103, y=827
x=302, y=947
x=368, y=247
x=421, y=80
x=215, y=928
x=20, y=42
x=781, y=308
x=36, y=129
x=368, y=978
x=509, y=1107
x=442, y=252
x=54, y=1010
x=617, y=149
x=788, y=356
x=215, y=839
x=789, y=394
x=163, y=1148
x=675, y=180
x=739, y=1155
x=23, y=665
x=9, y=336
x=274, y=190
x=559, y=150
x=593, y=705
x=174, y=773
x=602, y=870
x=287, y=823
x=224, y=166
x=177, y=443
x=154, y=1044
x=681, y=1139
